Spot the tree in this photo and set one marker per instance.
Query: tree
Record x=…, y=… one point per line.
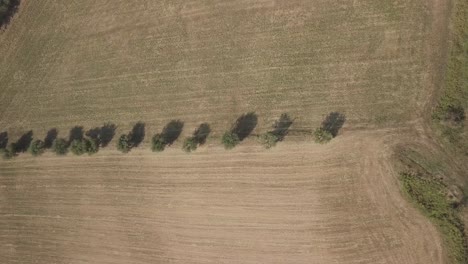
x=322, y=135
x=268, y=139
x=59, y=146
x=230, y=140
x=123, y=144
x=91, y=145
x=190, y=144
x=37, y=147
x=158, y=143
x=78, y=146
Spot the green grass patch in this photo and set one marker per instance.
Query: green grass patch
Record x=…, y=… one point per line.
x=430, y=196
x=455, y=95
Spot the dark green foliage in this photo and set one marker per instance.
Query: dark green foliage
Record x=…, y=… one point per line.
x=190, y=144
x=199, y=138
x=123, y=144
x=330, y=127
x=322, y=136
x=230, y=140
x=85, y=145
x=90, y=145
x=158, y=143
x=268, y=139
x=78, y=147
x=455, y=114
x=37, y=147
x=60, y=146
x=430, y=195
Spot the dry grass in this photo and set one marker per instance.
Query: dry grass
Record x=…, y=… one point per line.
x=67, y=64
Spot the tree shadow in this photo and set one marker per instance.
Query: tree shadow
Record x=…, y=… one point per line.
x=333, y=123
x=76, y=133
x=93, y=133
x=282, y=125
x=22, y=144
x=103, y=135
x=137, y=134
x=3, y=140
x=107, y=133
x=172, y=131
x=202, y=133
x=244, y=125
x=50, y=137
x=9, y=9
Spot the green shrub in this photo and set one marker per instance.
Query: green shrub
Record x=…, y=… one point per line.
x=37, y=147
x=123, y=144
x=78, y=147
x=430, y=195
x=60, y=146
x=268, y=139
x=230, y=140
x=449, y=113
x=91, y=146
x=322, y=136
x=158, y=143
x=190, y=144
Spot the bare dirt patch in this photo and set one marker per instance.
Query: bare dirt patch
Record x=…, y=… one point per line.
x=297, y=203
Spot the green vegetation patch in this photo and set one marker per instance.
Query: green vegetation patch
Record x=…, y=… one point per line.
x=430, y=196
x=450, y=111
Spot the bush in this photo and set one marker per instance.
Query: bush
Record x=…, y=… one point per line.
x=230, y=140
x=158, y=143
x=268, y=139
x=430, y=196
x=90, y=145
x=78, y=147
x=190, y=144
x=322, y=136
x=37, y=147
x=455, y=114
x=59, y=146
x=123, y=144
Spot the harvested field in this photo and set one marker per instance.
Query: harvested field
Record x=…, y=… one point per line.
x=294, y=204
x=83, y=63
